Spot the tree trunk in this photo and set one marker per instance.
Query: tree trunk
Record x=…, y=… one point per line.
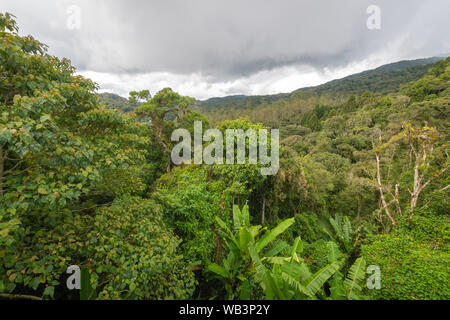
x=397, y=201
x=380, y=188
x=416, y=188
x=413, y=205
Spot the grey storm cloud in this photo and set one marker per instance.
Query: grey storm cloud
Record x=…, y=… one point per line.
x=211, y=47
x=226, y=39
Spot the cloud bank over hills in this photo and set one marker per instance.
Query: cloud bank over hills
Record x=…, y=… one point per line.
x=209, y=48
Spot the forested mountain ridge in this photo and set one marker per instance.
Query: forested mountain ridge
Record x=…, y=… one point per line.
x=282, y=107
x=385, y=79
x=363, y=181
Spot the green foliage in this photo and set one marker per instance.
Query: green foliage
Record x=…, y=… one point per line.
x=40, y=102
x=62, y=155
x=307, y=225
x=84, y=184
x=114, y=101
x=244, y=245
x=136, y=256
x=139, y=96
x=413, y=260
x=278, y=109
x=409, y=270
x=433, y=84
x=190, y=205
x=289, y=277
x=342, y=232
x=349, y=287
x=316, y=254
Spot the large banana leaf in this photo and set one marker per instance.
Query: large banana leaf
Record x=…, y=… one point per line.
x=295, y=284
x=298, y=246
x=269, y=236
x=333, y=252
x=244, y=238
x=356, y=274
x=317, y=280
x=241, y=218
x=236, y=217
x=245, y=290
x=337, y=290
x=280, y=246
x=268, y=283
x=245, y=216
x=218, y=270
x=230, y=234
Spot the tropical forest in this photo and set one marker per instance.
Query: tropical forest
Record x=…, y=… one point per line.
x=357, y=210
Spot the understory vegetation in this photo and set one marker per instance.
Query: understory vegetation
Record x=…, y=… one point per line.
x=363, y=185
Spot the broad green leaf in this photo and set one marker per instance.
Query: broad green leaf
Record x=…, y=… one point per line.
x=317, y=280
x=236, y=217
x=280, y=246
x=269, y=236
x=244, y=238
x=356, y=274
x=245, y=216
x=224, y=226
x=213, y=267
x=268, y=283
x=333, y=252
x=49, y=291
x=245, y=290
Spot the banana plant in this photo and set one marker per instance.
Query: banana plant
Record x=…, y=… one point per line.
x=346, y=288
x=282, y=278
x=343, y=233
x=294, y=276
x=244, y=241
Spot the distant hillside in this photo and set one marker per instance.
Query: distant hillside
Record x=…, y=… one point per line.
x=385, y=79
x=114, y=101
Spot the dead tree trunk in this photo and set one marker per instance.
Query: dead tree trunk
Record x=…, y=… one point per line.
x=422, y=152
x=397, y=201
x=380, y=188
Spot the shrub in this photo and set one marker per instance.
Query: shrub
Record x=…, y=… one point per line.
x=409, y=270
x=132, y=250
x=307, y=226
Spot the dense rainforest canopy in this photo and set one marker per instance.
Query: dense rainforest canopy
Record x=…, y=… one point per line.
x=362, y=189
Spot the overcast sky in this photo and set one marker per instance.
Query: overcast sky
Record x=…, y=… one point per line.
x=209, y=48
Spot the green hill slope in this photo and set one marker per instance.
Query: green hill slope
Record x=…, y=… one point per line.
x=284, y=108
